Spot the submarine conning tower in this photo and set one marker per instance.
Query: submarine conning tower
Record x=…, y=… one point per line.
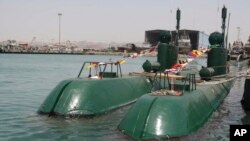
x=217, y=55
x=166, y=57
x=167, y=53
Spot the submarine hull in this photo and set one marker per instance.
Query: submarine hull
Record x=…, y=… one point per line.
x=93, y=96
x=155, y=117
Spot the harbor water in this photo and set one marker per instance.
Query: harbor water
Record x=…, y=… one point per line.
x=27, y=79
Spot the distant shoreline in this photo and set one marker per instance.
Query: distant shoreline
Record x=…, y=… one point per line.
x=88, y=53
x=41, y=53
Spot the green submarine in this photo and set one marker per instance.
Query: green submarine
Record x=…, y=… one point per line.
x=183, y=104
x=167, y=105
x=102, y=90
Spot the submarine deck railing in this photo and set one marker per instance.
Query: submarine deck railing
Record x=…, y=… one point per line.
x=190, y=79
x=164, y=77
x=102, y=71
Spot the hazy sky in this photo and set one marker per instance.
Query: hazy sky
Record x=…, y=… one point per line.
x=115, y=20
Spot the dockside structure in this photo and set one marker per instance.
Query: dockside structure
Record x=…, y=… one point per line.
x=197, y=38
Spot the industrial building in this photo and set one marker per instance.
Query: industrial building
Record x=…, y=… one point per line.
x=197, y=39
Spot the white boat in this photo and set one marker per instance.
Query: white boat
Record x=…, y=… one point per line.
x=247, y=46
x=237, y=52
x=184, y=43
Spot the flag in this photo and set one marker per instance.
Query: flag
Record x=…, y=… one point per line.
x=92, y=65
x=152, y=48
x=121, y=61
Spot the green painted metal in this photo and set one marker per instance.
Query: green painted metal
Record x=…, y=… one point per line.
x=165, y=37
x=167, y=55
x=216, y=38
x=148, y=66
x=217, y=56
x=52, y=98
x=108, y=74
x=217, y=59
x=206, y=73
x=178, y=17
x=93, y=96
x=223, y=26
x=155, y=117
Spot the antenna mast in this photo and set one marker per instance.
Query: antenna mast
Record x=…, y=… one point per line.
x=238, y=36
x=178, y=17
x=223, y=15
x=227, y=29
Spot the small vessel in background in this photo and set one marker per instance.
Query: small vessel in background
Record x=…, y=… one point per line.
x=247, y=46
x=183, y=103
x=237, y=51
x=184, y=43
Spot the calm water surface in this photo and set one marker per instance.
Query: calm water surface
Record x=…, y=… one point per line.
x=26, y=80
